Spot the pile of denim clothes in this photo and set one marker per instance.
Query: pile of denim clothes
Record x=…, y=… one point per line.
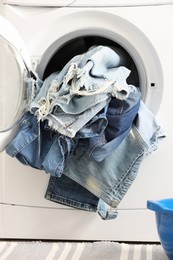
x=86, y=127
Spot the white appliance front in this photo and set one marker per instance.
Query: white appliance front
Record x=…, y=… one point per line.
x=56, y=33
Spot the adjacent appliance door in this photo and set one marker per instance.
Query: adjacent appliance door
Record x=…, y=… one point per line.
x=14, y=81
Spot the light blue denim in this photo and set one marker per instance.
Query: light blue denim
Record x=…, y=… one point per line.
x=61, y=148
x=70, y=98
x=95, y=127
x=110, y=179
x=70, y=125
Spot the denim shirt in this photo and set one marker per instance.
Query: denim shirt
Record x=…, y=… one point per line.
x=110, y=179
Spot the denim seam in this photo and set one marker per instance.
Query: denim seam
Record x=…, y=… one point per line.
x=70, y=202
x=51, y=182
x=59, y=167
x=83, y=166
x=125, y=182
x=138, y=136
x=129, y=168
x=16, y=151
x=91, y=150
x=104, y=189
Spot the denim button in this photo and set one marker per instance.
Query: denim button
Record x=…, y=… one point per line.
x=24, y=121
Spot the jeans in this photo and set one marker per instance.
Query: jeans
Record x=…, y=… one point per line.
x=110, y=179
x=68, y=192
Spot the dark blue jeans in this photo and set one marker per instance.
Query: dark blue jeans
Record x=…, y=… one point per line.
x=120, y=116
x=68, y=192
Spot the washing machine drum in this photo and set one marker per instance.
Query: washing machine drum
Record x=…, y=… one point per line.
x=80, y=45
x=137, y=54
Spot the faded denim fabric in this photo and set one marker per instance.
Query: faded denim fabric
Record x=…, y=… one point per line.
x=95, y=127
x=86, y=81
x=61, y=148
x=70, y=125
x=110, y=179
x=68, y=192
x=36, y=146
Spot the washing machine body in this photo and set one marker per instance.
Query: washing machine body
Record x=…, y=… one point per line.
x=47, y=35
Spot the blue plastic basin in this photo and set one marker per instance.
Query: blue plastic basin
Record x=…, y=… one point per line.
x=164, y=222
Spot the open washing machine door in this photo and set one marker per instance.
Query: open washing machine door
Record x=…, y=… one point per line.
x=15, y=74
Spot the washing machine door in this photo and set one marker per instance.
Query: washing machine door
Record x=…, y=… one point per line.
x=14, y=78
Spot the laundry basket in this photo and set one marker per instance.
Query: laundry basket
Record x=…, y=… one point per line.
x=164, y=221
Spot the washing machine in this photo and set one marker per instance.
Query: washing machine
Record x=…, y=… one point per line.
x=38, y=37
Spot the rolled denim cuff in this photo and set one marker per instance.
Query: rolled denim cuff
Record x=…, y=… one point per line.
x=106, y=212
x=67, y=192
